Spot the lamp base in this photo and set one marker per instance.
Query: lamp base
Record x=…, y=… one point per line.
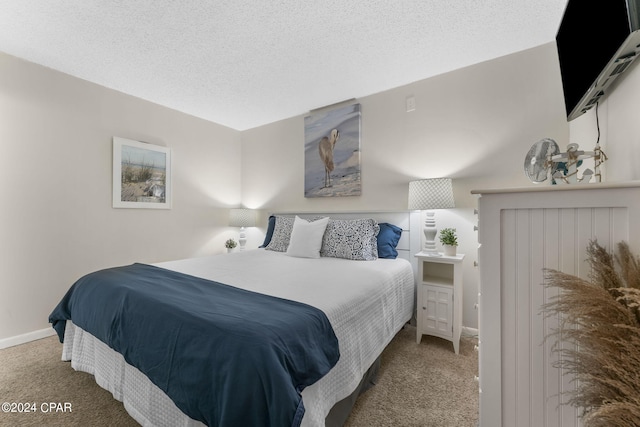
x=242, y=240
x=430, y=232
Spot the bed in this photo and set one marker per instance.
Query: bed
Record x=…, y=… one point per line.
x=366, y=302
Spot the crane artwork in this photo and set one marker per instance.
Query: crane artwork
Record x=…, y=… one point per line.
x=332, y=152
x=325, y=148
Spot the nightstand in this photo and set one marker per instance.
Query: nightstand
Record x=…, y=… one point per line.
x=440, y=297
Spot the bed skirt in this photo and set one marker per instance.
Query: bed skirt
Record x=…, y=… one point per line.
x=341, y=410
x=142, y=399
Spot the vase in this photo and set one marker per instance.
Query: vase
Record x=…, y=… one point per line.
x=450, y=250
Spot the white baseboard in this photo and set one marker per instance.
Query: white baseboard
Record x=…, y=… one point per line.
x=469, y=332
x=24, y=338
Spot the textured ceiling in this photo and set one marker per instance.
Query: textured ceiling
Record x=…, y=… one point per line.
x=243, y=63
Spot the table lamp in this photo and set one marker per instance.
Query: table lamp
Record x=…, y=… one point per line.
x=431, y=194
x=242, y=218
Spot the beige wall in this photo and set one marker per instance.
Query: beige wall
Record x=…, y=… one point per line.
x=623, y=128
x=56, y=218
x=619, y=128
x=474, y=125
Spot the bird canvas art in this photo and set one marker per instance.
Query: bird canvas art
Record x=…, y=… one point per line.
x=332, y=152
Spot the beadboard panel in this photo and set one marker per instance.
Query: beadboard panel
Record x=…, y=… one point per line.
x=521, y=234
x=535, y=239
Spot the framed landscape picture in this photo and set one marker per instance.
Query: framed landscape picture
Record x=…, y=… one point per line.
x=141, y=175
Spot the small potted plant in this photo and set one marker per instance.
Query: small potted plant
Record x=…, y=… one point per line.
x=230, y=245
x=449, y=241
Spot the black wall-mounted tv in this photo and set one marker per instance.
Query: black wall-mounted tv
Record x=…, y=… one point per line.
x=597, y=41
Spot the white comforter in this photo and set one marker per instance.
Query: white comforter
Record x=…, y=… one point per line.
x=367, y=302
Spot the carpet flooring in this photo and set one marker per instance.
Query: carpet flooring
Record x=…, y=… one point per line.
x=421, y=385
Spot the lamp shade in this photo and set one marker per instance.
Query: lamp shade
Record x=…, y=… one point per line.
x=242, y=218
x=427, y=194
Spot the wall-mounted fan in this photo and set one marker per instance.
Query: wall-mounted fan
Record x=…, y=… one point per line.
x=545, y=160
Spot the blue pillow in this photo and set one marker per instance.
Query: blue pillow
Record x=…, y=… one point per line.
x=270, y=227
x=388, y=239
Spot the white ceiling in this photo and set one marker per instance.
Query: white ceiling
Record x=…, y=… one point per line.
x=243, y=63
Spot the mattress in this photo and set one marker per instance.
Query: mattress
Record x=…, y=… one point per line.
x=366, y=302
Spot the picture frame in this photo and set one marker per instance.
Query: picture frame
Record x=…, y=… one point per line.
x=141, y=175
x=332, y=152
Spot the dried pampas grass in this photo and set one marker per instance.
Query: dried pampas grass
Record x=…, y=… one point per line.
x=601, y=318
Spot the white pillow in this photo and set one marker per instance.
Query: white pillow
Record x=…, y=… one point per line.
x=306, y=238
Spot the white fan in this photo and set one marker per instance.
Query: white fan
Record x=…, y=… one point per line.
x=544, y=159
x=537, y=163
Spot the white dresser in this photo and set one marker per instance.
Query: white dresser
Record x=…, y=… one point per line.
x=521, y=232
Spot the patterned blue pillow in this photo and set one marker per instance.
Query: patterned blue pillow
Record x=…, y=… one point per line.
x=281, y=234
x=351, y=239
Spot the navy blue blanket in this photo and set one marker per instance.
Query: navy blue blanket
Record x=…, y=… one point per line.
x=225, y=356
